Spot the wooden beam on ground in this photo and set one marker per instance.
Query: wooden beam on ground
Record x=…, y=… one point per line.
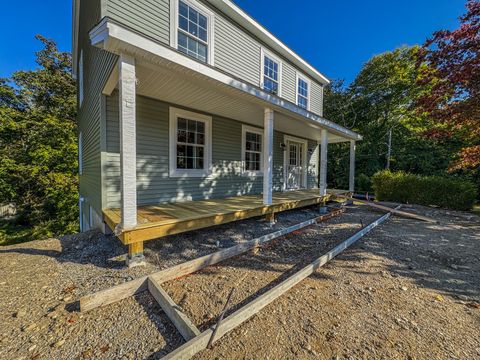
x=200, y=343
x=123, y=291
x=386, y=208
x=183, y=324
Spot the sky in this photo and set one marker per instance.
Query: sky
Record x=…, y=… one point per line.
x=335, y=36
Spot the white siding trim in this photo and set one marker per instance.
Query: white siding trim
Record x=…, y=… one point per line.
x=268, y=156
x=80, y=153
x=80, y=80
x=264, y=52
x=175, y=113
x=211, y=26
x=251, y=129
x=309, y=82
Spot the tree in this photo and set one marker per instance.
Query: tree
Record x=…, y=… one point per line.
x=453, y=82
x=38, y=150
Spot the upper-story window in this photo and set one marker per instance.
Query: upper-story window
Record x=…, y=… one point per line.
x=192, y=30
x=271, y=73
x=303, y=92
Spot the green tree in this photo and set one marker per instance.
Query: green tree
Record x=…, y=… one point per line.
x=382, y=100
x=38, y=149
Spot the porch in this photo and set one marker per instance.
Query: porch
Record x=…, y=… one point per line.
x=156, y=221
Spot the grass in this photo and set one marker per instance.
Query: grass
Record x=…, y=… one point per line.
x=11, y=233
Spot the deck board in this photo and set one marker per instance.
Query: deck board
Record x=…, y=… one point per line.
x=156, y=221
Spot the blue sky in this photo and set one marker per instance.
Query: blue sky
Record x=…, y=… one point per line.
x=335, y=36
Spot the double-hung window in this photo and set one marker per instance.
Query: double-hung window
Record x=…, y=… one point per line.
x=271, y=73
x=189, y=143
x=303, y=92
x=193, y=31
x=252, y=149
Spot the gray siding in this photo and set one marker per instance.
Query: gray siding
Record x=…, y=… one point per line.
x=97, y=67
x=150, y=17
x=236, y=51
x=289, y=83
x=153, y=182
x=317, y=99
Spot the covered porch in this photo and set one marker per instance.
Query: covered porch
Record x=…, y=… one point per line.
x=156, y=221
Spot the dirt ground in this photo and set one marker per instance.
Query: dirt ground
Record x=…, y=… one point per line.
x=408, y=290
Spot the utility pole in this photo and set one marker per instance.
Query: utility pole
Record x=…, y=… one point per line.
x=389, y=151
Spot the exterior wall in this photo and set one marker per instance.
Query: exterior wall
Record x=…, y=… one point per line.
x=153, y=182
x=236, y=51
x=97, y=65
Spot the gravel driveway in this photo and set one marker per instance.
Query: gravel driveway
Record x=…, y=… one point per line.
x=408, y=290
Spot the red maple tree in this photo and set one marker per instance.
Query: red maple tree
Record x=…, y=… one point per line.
x=452, y=82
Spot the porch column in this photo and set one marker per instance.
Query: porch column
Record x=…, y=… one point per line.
x=128, y=166
x=351, y=182
x=323, y=162
x=268, y=157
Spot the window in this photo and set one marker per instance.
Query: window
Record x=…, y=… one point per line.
x=189, y=143
x=80, y=153
x=192, y=29
x=80, y=79
x=303, y=92
x=252, y=150
x=271, y=73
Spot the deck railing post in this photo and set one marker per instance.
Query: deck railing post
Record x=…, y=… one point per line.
x=268, y=156
x=351, y=182
x=127, y=110
x=323, y=162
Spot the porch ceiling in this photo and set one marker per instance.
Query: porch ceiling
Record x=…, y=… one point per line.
x=180, y=88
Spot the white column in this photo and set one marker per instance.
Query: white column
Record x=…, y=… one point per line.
x=323, y=162
x=351, y=182
x=128, y=161
x=268, y=157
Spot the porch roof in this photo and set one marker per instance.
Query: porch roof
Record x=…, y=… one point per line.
x=165, y=74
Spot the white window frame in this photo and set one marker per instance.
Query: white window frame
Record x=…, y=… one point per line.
x=255, y=130
x=175, y=113
x=264, y=52
x=80, y=80
x=210, y=31
x=309, y=83
x=80, y=153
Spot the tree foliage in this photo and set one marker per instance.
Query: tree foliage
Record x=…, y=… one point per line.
x=453, y=82
x=38, y=150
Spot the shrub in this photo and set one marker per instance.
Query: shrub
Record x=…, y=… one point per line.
x=446, y=192
x=364, y=183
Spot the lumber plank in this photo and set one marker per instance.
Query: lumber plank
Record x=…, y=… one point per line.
x=192, y=347
x=183, y=324
x=123, y=291
x=386, y=208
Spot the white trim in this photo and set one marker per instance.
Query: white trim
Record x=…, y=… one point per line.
x=309, y=83
x=268, y=124
x=75, y=28
x=255, y=130
x=81, y=200
x=80, y=153
x=264, y=52
x=115, y=38
x=211, y=27
x=81, y=79
x=304, y=143
x=351, y=176
x=323, y=162
x=238, y=15
x=175, y=113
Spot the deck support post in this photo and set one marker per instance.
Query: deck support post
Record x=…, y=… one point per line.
x=135, y=255
x=268, y=156
x=351, y=179
x=128, y=148
x=323, y=167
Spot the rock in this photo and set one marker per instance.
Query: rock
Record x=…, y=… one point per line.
x=59, y=343
x=404, y=288
x=20, y=313
x=31, y=348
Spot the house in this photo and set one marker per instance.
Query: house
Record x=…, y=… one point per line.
x=191, y=114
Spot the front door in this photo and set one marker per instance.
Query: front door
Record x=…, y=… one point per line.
x=294, y=166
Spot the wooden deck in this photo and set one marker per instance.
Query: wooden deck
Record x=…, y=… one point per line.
x=156, y=221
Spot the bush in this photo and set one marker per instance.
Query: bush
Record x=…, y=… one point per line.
x=364, y=183
x=446, y=192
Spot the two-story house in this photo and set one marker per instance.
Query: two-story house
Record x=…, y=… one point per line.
x=192, y=114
